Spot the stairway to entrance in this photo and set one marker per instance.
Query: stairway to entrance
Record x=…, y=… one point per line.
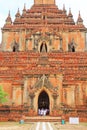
x=43, y=119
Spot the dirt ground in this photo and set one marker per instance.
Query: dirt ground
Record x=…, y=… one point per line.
x=67, y=126
x=15, y=126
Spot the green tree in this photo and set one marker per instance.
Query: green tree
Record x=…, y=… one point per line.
x=3, y=95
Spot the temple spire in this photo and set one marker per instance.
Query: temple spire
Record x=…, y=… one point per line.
x=44, y=1
x=17, y=14
x=64, y=10
x=79, y=20
x=8, y=20
x=70, y=17
x=70, y=13
x=24, y=10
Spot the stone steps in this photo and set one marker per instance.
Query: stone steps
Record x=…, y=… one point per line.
x=43, y=119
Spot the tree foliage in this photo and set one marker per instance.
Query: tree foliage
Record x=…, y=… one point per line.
x=3, y=95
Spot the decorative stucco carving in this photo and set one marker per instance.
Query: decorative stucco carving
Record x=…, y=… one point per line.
x=43, y=82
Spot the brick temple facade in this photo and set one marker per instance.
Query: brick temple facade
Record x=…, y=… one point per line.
x=43, y=60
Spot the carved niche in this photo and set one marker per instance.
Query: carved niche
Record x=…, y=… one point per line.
x=15, y=46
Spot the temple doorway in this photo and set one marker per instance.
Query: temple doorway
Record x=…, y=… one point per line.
x=43, y=104
x=43, y=47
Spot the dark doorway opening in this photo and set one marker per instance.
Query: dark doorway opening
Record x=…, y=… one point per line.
x=14, y=49
x=73, y=49
x=43, y=47
x=43, y=104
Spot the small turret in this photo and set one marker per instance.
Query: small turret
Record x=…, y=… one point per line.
x=24, y=10
x=79, y=20
x=64, y=10
x=17, y=14
x=17, y=17
x=8, y=19
x=70, y=17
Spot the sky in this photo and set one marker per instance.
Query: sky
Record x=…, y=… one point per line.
x=13, y=5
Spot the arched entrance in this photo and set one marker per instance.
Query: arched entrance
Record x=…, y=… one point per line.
x=43, y=103
x=43, y=47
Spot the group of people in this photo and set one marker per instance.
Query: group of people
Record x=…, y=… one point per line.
x=43, y=112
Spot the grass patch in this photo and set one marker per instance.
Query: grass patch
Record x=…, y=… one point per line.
x=9, y=123
x=84, y=123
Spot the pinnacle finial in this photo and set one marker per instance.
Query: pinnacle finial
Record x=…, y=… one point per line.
x=79, y=20
x=69, y=10
x=9, y=13
x=63, y=6
x=70, y=13
x=24, y=6
x=79, y=14
x=18, y=10
x=24, y=9
x=18, y=13
x=64, y=10
x=8, y=20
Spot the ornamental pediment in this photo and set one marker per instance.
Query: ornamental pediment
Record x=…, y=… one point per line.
x=44, y=82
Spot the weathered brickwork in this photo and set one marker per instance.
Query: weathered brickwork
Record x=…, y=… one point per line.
x=43, y=52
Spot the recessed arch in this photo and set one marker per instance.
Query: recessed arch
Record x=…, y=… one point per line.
x=73, y=48
x=15, y=46
x=43, y=47
x=43, y=103
x=14, y=49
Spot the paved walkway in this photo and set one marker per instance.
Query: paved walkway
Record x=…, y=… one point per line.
x=42, y=126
